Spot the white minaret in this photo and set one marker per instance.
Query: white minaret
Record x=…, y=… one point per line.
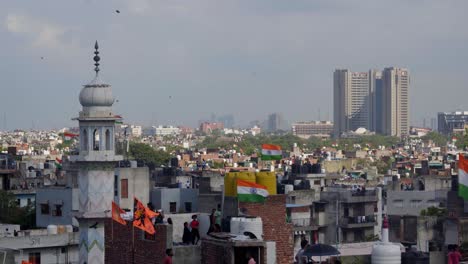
x=96, y=162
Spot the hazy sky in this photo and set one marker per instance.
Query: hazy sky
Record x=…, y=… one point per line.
x=176, y=62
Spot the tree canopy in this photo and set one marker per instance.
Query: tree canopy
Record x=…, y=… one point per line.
x=438, y=139
x=11, y=213
x=148, y=154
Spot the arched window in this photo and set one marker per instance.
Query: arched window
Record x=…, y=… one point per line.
x=96, y=139
x=108, y=140
x=85, y=140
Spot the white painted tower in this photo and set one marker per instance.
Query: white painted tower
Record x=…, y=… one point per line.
x=96, y=161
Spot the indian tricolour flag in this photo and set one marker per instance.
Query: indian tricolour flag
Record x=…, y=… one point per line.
x=68, y=136
x=251, y=192
x=463, y=177
x=271, y=152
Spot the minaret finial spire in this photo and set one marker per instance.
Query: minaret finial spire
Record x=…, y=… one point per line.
x=96, y=58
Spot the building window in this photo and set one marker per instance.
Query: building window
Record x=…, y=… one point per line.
x=85, y=139
x=35, y=258
x=29, y=201
x=108, y=140
x=57, y=210
x=18, y=202
x=96, y=139
x=398, y=203
x=188, y=207
x=415, y=203
x=173, y=207
x=45, y=209
x=116, y=186
x=124, y=188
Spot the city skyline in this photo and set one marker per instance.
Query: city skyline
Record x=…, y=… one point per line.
x=197, y=58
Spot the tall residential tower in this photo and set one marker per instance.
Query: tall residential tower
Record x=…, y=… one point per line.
x=374, y=100
x=352, y=104
x=395, y=98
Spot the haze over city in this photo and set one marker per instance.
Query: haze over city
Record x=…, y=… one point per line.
x=176, y=62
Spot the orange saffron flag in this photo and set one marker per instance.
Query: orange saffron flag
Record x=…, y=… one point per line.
x=141, y=217
x=25, y=262
x=116, y=211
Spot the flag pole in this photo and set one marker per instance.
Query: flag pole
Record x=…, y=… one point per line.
x=112, y=226
x=133, y=244
x=133, y=231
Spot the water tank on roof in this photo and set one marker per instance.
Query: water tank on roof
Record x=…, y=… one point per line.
x=133, y=164
x=235, y=225
x=69, y=228
x=267, y=179
x=52, y=230
x=386, y=253
x=252, y=225
x=229, y=180
x=61, y=229
x=239, y=225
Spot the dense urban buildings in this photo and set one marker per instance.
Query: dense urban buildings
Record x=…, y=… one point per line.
x=207, y=127
x=312, y=128
x=374, y=100
x=452, y=122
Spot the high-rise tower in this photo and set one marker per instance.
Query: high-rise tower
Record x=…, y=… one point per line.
x=395, y=103
x=96, y=161
x=351, y=101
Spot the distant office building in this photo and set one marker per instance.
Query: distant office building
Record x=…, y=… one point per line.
x=374, y=100
x=312, y=128
x=149, y=131
x=227, y=120
x=275, y=122
x=134, y=131
x=433, y=123
x=452, y=122
x=395, y=103
x=208, y=127
x=167, y=130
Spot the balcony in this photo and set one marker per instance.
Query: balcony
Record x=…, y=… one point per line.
x=358, y=221
x=360, y=197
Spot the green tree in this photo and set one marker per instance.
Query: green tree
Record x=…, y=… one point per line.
x=148, y=154
x=438, y=139
x=11, y=213
x=462, y=140
x=434, y=211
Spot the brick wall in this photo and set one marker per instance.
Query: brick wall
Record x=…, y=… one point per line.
x=275, y=228
x=118, y=245
x=302, y=209
x=213, y=253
